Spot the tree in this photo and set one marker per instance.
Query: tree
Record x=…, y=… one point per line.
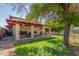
x=56, y=25
x=63, y=10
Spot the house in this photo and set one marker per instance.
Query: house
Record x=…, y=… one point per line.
x=26, y=29
x=1, y=33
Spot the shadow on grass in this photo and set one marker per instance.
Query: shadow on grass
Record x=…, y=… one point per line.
x=54, y=41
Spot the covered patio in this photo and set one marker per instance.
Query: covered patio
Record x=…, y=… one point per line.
x=26, y=29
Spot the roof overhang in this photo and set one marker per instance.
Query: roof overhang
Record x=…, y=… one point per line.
x=14, y=20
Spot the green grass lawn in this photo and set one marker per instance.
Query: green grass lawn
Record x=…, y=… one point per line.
x=44, y=47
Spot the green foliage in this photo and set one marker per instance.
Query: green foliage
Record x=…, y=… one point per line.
x=42, y=9
x=48, y=47
x=71, y=18
x=56, y=25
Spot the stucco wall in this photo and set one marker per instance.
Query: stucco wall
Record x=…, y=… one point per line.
x=28, y=29
x=25, y=28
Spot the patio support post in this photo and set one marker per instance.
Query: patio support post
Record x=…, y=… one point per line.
x=13, y=30
x=38, y=30
x=32, y=31
x=43, y=31
x=49, y=30
x=17, y=30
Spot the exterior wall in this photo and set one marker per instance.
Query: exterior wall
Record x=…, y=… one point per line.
x=28, y=29
x=17, y=28
x=25, y=28
x=46, y=33
x=38, y=30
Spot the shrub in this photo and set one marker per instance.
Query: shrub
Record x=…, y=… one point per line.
x=50, y=47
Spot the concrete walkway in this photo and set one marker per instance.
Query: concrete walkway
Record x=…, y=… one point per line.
x=6, y=48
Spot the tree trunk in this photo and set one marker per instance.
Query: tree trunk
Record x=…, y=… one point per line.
x=66, y=34
x=66, y=25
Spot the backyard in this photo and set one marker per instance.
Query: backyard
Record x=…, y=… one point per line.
x=43, y=20
x=52, y=46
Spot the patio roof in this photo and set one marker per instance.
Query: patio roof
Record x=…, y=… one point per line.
x=14, y=20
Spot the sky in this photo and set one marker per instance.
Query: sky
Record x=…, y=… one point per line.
x=5, y=12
